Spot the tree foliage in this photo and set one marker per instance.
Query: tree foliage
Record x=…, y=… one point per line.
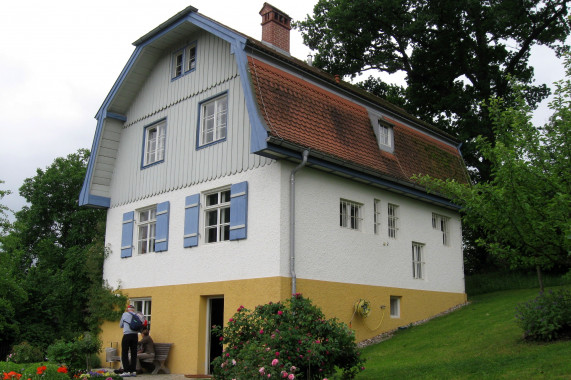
x=525, y=210
x=4, y=210
x=54, y=257
x=455, y=54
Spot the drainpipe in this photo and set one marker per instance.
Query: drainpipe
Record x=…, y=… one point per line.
x=292, y=220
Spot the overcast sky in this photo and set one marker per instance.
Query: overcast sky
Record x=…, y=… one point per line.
x=60, y=58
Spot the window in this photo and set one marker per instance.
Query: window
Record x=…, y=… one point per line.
x=395, y=306
x=392, y=220
x=385, y=135
x=152, y=230
x=350, y=215
x=217, y=216
x=154, y=144
x=184, y=61
x=417, y=261
x=147, y=223
x=225, y=215
x=213, y=120
x=377, y=216
x=143, y=306
x=441, y=223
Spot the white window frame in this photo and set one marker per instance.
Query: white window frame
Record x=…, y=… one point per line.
x=395, y=302
x=146, y=230
x=386, y=135
x=190, y=58
x=154, y=144
x=377, y=216
x=143, y=306
x=213, y=123
x=350, y=214
x=418, y=271
x=442, y=224
x=392, y=220
x=220, y=210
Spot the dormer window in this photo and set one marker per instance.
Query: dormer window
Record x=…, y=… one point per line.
x=184, y=61
x=385, y=135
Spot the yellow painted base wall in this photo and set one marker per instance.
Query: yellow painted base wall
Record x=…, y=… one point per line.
x=179, y=313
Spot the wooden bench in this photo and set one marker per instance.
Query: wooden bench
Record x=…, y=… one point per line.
x=161, y=354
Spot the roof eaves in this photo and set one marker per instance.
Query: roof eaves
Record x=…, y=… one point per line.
x=279, y=148
x=166, y=24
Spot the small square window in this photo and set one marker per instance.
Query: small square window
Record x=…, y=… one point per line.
x=213, y=120
x=392, y=220
x=441, y=223
x=385, y=135
x=183, y=61
x=190, y=58
x=147, y=226
x=395, y=306
x=217, y=216
x=350, y=215
x=154, y=144
x=417, y=261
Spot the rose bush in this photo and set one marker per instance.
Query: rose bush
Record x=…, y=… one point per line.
x=286, y=340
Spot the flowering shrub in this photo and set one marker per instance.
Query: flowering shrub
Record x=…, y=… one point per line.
x=285, y=340
x=76, y=353
x=26, y=353
x=547, y=317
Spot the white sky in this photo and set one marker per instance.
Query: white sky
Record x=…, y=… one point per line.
x=60, y=58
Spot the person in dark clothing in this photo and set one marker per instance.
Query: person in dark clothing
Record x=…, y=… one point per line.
x=145, y=350
x=128, y=344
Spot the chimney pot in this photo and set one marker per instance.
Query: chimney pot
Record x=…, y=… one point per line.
x=276, y=26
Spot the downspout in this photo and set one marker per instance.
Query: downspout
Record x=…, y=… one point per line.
x=292, y=220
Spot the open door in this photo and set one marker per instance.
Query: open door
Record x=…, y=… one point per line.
x=215, y=317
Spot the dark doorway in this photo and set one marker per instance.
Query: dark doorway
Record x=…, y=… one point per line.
x=216, y=317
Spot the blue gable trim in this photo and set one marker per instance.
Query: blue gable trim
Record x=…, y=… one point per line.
x=237, y=43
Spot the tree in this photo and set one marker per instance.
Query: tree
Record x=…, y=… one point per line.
x=56, y=251
x=525, y=210
x=4, y=210
x=455, y=54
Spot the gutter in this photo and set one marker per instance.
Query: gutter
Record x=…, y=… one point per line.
x=292, y=220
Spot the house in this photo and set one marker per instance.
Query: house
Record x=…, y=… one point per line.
x=234, y=174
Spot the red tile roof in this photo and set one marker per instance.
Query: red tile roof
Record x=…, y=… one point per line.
x=309, y=116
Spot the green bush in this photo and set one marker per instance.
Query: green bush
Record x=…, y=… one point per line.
x=25, y=353
x=547, y=317
x=286, y=340
x=77, y=353
x=33, y=371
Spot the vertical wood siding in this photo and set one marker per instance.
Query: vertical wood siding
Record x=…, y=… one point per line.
x=178, y=101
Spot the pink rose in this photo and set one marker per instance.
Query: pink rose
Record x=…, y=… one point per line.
x=262, y=370
x=280, y=312
x=275, y=362
x=291, y=376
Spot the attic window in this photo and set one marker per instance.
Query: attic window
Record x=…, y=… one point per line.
x=385, y=135
x=184, y=61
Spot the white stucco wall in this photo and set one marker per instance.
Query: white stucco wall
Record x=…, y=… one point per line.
x=325, y=251
x=255, y=257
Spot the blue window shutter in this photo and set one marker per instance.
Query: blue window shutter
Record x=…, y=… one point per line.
x=191, y=220
x=162, y=231
x=238, y=210
x=127, y=234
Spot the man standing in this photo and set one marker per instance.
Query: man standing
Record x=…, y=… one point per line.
x=128, y=343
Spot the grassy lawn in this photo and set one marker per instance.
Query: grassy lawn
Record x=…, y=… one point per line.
x=479, y=341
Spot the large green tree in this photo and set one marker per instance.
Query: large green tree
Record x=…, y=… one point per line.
x=525, y=211
x=455, y=54
x=56, y=252
x=4, y=210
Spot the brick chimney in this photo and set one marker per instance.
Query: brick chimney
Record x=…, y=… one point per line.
x=275, y=27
